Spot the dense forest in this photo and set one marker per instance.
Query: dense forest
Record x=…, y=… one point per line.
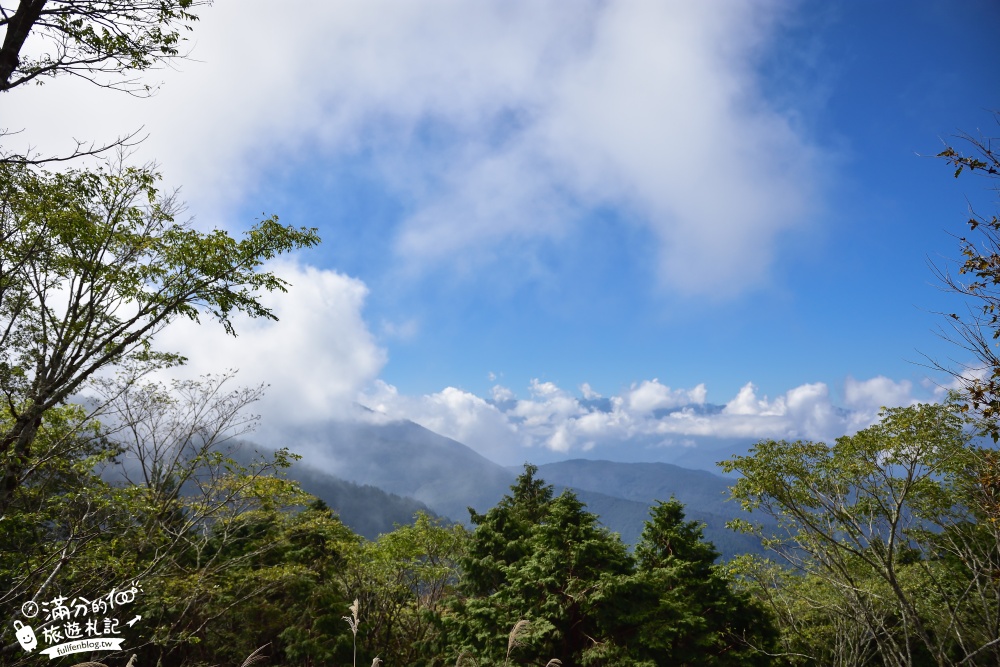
x=131, y=518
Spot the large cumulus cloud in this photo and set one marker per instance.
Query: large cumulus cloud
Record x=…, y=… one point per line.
x=315, y=358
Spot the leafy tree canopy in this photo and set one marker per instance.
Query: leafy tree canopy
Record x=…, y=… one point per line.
x=587, y=601
x=892, y=528
x=92, y=265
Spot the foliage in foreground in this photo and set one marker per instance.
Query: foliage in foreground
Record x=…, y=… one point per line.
x=92, y=265
x=889, y=542
x=233, y=557
x=588, y=601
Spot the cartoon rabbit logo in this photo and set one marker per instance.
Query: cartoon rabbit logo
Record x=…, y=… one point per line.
x=25, y=636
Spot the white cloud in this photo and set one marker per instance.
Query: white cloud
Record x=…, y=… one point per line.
x=546, y=418
x=549, y=108
x=657, y=111
x=501, y=394
x=545, y=390
x=650, y=395
x=316, y=357
x=559, y=422
x=746, y=403
x=453, y=413
x=813, y=413
x=877, y=392
x=866, y=398
x=662, y=113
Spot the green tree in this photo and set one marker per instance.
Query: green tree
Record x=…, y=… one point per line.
x=502, y=532
x=818, y=624
x=402, y=580
x=92, y=265
x=540, y=559
x=560, y=586
x=887, y=525
x=679, y=607
x=270, y=575
x=106, y=42
x=160, y=499
x=64, y=510
x=545, y=566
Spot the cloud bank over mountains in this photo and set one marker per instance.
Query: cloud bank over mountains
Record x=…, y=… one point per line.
x=321, y=363
x=553, y=419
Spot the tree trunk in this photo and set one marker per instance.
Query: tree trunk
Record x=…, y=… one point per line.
x=16, y=448
x=18, y=28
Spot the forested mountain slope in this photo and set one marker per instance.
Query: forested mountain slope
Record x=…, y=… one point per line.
x=412, y=462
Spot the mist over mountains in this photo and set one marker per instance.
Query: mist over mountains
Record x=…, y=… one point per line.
x=622, y=493
x=378, y=474
x=410, y=460
x=367, y=510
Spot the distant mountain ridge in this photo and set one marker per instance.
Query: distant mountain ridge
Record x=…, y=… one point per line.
x=643, y=482
x=407, y=459
x=705, y=497
x=414, y=463
x=367, y=510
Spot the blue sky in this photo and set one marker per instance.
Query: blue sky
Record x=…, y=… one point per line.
x=525, y=204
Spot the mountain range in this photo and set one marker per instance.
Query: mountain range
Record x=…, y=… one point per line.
x=379, y=474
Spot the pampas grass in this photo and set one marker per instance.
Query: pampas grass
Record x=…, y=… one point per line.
x=515, y=637
x=352, y=621
x=255, y=657
x=131, y=663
